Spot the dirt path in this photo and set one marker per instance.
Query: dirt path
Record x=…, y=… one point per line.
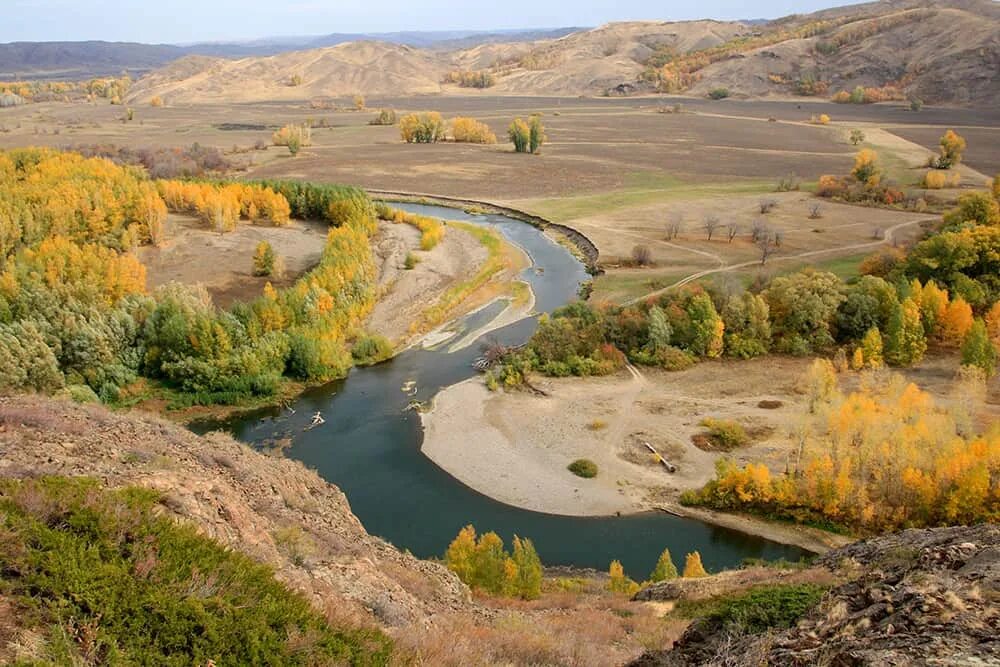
x=784, y=258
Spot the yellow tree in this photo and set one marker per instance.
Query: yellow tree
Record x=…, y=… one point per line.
x=460, y=554
x=693, y=567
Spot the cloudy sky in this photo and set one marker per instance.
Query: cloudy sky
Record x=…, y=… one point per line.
x=176, y=21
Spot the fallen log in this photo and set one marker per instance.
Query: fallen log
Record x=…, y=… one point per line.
x=671, y=468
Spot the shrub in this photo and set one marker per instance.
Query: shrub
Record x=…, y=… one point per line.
x=618, y=582
x=384, y=117
x=471, y=79
x=642, y=255
x=411, y=261
x=857, y=137
x=470, y=130
x=156, y=101
x=935, y=180
x=422, y=128
x=289, y=135
x=583, y=468
x=139, y=588
x=725, y=434
x=718, y=93
x=371, y=349
x=758, y=610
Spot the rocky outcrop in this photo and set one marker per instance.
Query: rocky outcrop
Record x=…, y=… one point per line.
x=920, y=597
x=273, y=509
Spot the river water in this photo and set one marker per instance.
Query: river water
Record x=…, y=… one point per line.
x=369, y=446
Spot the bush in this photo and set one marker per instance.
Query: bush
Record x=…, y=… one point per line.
x=758, y=610
x=471, y=131
x=372, y=349
x=422, y=128
x=936, y=180
x=293, y=135
x=718, y=93
x=411, y=261
x=725, y=434
x=583, y=468
x=384, y=117
x=138, y=588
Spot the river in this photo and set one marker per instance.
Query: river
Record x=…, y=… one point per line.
x=369, y=446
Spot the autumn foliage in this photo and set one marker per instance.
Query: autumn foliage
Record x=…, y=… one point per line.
x=485, y=565
x=222, y=205
x=470, y=130
x=881, y=458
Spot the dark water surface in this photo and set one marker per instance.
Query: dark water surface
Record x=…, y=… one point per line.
x=370, y=448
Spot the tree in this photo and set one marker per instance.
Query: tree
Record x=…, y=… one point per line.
x=866, y=169
x=747, y=326
x=905, y=343
x=857, y=137
x=707, y=328
x=821, y=383
x=956, y=322
x=489, y=563
x=766, y=243
x=977, y=208
x=803, y=306
x=520, y=135
x=665, y=568
x=470, y=130
x=693, y=567
x=952, y=147
x=642, y=255
x=978, y=350
x=359, y=102
x=660, y=330
x=536, y=133
x=618, y=582
x=460, y=554
x=263, y=259
x=294, y=145
x=529, y=569
x=422, y=128
x=710, y=224
x=992, y=321
x=871, y=349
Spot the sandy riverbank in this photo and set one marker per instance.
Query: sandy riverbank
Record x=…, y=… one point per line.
x=514, y=447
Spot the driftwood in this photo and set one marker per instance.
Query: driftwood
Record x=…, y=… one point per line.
x=666, y=464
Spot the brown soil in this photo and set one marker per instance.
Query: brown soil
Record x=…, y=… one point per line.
x=223, y=263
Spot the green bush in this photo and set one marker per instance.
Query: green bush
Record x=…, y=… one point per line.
x=371, y=349
x=757, y=610
x=105, y=580
x=583, y=468
x=718, y=93
x=725, y=434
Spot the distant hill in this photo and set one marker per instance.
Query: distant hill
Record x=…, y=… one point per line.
x=66, y=60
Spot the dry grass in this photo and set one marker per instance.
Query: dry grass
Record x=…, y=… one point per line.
x=580, y=629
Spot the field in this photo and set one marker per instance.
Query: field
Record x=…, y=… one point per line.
x=618, y=170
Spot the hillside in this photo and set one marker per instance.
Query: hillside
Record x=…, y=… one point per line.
x=942, y=53
x=371, y=68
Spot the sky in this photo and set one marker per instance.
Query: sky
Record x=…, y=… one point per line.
x=183, y=21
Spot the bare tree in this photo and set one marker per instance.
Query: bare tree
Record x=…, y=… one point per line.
x=766, y=205
x=642, y=255
x=776, y=238
x=733, y=228
x=878, y=233
x=675, y=226
x=757, y=228
x=711, y=223
x=766, y=247
x=815, y=211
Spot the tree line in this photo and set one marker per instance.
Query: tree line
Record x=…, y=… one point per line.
x=75, y=314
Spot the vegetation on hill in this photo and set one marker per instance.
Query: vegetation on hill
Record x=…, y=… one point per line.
x=102, y=579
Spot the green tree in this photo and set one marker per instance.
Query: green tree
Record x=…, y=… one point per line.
x=978, y=350
x=536, y=133
x=263, y=259
x=660, y=330
x=529, y=569
x=747, y=326
x=665, y=568
x=520, y=135
x=488, y=563
x=803, y=306
x=905, y=342
x=707, y=327
x=294, y=145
